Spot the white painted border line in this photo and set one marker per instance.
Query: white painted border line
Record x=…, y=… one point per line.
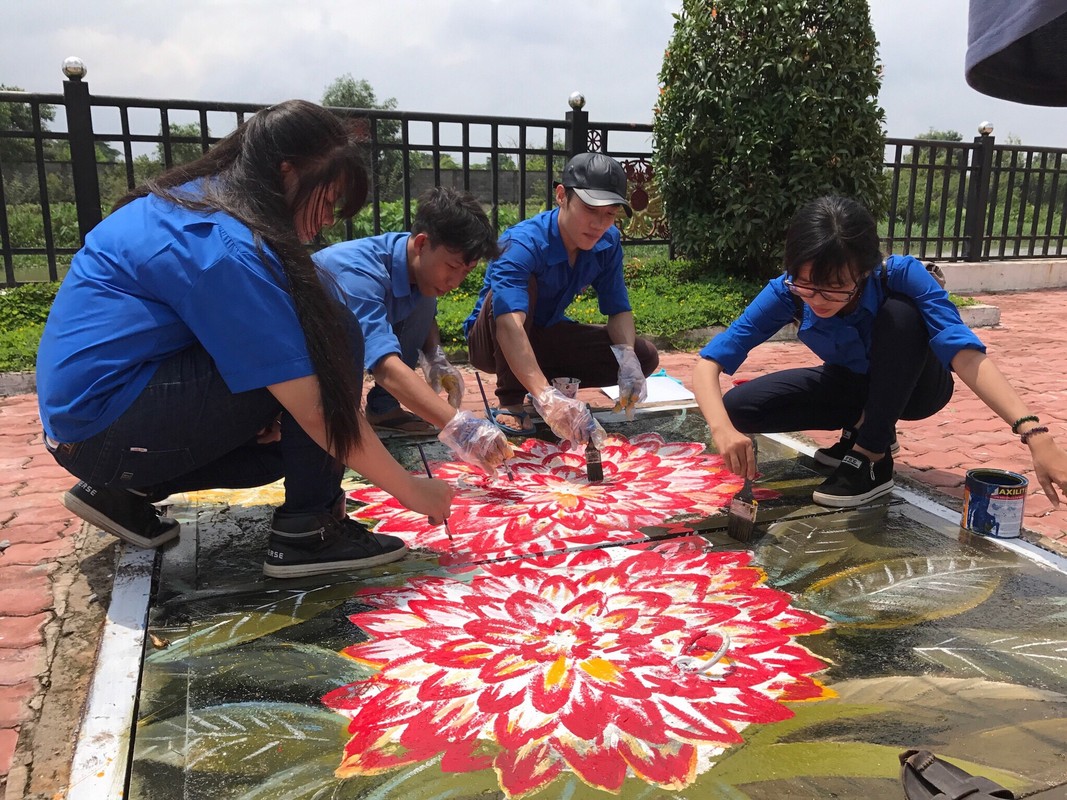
x=1019, y=546
x=98, y=771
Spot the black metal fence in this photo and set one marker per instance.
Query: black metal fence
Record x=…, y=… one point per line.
x=65, y=159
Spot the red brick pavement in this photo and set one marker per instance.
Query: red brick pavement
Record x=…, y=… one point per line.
x=1030, y=346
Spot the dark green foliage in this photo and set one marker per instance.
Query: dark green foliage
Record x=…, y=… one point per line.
x=23, y=311
x=764, y=105
x=26, y=304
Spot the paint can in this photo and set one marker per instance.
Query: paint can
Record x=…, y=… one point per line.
x=993, y=502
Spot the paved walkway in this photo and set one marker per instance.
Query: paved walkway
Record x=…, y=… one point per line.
x=54, y=578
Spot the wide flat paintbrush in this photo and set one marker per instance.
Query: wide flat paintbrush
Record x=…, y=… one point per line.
x=741, y=520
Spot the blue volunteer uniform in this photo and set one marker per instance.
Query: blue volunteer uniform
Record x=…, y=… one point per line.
x=153, y=281
x=372, y=274
x=534, y=248
x=846, y=340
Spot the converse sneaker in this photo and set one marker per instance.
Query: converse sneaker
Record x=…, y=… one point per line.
x=316, y=544
x=831, y=456
x=122, y=513
x=856, y=481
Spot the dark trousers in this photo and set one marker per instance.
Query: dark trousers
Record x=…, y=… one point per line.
x=564, y=350
x=187, y=431
x=906, y=381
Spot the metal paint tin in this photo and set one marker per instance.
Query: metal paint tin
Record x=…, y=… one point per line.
x=993, y=502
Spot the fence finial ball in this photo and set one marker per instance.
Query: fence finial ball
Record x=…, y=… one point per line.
x=985, y=128
x=576, y=101
x=74, y=68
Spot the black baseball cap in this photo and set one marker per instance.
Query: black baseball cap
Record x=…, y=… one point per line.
x=598, y=180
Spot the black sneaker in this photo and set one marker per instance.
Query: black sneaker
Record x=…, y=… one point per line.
x=319, y=544
x=856, y=481
x=831, y=456
x=122, y=513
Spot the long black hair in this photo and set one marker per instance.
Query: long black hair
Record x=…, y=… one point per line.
x=837, y=235
x=245, y=181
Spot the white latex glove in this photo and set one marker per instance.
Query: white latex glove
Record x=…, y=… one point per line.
x=569, y=419
x=632, y=389
x=440, y=374
x=476, y=441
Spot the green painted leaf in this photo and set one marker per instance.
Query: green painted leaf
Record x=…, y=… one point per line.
x=245, y=738
x=1002, y=656
x=313, y=669
x=796, y=548
x=279, y=609
x=904, y=591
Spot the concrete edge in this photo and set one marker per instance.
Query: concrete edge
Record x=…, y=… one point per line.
x=102, y=751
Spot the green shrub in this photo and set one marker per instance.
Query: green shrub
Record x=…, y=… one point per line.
x=27, y=304
x=764, y=106
x=18, y=348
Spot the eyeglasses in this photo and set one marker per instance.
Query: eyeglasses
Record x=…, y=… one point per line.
x=833, y=295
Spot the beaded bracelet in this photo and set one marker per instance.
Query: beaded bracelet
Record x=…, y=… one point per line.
x=1028, y=418
x=1026, y=436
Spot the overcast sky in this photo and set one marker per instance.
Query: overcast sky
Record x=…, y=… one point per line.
x=508, y=57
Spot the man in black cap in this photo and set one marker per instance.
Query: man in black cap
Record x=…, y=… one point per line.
x=518, y=328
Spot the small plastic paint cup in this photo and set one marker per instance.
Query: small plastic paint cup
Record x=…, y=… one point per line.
x=568, y=386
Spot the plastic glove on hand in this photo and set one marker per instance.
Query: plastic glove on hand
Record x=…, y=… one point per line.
x=632, y=388
x=440, y=374
x=571, y=420
x=476, y=441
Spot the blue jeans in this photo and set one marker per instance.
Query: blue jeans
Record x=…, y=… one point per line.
x=187, y=431
x=411, y=333
x=905, y=381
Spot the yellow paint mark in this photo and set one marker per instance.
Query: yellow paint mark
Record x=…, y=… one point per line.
x=601, y=669
x=557, y=671
x=567, y=501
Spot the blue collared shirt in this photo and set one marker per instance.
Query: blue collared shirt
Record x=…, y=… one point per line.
x=846, y=340
x=152, y=280
x=534, y=248
x=372, y=274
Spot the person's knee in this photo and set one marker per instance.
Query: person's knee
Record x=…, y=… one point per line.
x=900, y=316
x=743, y=413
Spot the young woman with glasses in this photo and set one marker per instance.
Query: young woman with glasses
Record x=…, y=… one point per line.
x=889, y=338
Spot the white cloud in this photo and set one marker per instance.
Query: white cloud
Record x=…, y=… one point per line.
x=509, y=57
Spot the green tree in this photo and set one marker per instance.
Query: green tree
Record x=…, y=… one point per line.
x=181, y=152
x=19, y=117
x=762, y=107
x=387, y=162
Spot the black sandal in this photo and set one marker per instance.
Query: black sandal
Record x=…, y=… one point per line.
x=927, y=777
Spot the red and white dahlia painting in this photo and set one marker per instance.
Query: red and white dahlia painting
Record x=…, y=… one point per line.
x=550, y=504
x=609, y=664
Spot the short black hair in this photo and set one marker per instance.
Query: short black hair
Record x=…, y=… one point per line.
x=836, y=234
x=455, y=220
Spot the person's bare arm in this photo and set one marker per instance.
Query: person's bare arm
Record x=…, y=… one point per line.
x=412, y=390
x=979, y=372
x=301, y=399
x=518, y=351
x=621, y=328
x=734, y=446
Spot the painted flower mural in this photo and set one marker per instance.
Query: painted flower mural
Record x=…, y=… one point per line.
x=550, y=504
x=607, y=663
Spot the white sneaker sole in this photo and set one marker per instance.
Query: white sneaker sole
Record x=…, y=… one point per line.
x=108, y=525
x=310, y=569
x=851, y=501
